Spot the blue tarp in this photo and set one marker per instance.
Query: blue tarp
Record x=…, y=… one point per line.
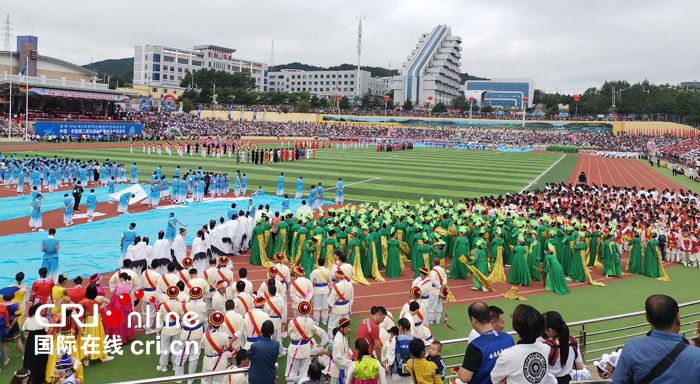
x=18, y=206
x=94, y=247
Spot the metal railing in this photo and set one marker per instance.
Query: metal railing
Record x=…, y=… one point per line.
x=33, y=80
x=600, y=345
x=192, y=376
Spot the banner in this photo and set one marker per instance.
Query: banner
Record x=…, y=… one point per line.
x=242, y=114
x=47, y=128
x=229, y=113
x=74, y=94
x=136, y=189
x=255, y=113
x=150, y=100
x=170, y=106
x=199, y=111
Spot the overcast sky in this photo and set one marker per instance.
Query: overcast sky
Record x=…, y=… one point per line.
x=559, y=44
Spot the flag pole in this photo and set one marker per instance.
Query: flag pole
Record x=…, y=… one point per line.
x=9, y=127
x=26, y=103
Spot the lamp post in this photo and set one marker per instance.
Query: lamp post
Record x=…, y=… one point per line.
x=471, y=104
x=430, y=105
x=386, y=100
x=577, y=98
x=525, y=99
x=337, y=98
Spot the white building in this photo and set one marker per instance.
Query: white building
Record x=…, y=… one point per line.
x=432, y=69
x=327, y=83
x=166, y=66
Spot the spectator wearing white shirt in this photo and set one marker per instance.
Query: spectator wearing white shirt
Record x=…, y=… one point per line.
x=524, y=362
x=564, y=355
x=303, y=209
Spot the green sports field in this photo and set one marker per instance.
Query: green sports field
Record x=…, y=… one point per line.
x=368, y=175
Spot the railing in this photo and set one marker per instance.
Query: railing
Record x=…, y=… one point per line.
x=611, y=342
x=191, y=376
x=32, y=80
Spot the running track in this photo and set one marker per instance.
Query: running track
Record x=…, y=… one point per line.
x=621, y=172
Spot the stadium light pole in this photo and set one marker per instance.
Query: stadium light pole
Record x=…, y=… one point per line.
x=9, y=125
x=471, y=104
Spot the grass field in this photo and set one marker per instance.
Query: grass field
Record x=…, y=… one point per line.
x=683, y=180
x=368, y=175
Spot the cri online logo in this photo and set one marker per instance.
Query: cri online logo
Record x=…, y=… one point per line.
x=113, y=317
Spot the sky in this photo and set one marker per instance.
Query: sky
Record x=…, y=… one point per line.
x=563, y=46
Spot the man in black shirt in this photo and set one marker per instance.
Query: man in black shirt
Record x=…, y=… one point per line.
x=582, y=178
x=207, y=179
x=77, y=195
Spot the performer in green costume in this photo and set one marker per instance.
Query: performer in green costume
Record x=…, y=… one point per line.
x=576, y=272
x=634, y=264
x=611, y=257
x=461, y=248
x=519, y=269
x=556, y=281
x=393, y=261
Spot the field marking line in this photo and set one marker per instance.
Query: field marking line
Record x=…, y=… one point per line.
x=336, y=187
x=542, y=174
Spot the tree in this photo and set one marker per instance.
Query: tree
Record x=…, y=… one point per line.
x=323, y=102
x=314, y=101
x=186, y=105
x=366, y=101
x=554, y=110
x=439, y=108
x=408, y=105
x=303, y=106
x=344, y=102
x=487, y=109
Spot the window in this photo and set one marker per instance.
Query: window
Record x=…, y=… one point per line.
x=179, y=78
x=352, y=82
x=346, y=82
x=172, y=77
x=272, y=83
x=181, y=60
x=187, y=70
x=352, y=89
x=196, y=63
x=352, y=76
x=156, y=58
x=281, y=77
x=156, y=76
x=165, y=90
x=179, y=69
x=287, y=86
x=316, y=82
x=346, y=75
x=345, y=89
x=174, y=92
x=210, y=64
x=327, y=89
x=293, y=82
x=145, y=66
x=316, y=89
x=228, y=67
x=169, y=59
x=334, y=83
x=172, y=69
x=146, y=59
x=315, y=76
x=304, y=89
x=304, y=83
x=293, y=76
x=334, y=78
x=155, y=90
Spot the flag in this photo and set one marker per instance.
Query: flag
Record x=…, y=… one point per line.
x=199, y=111
x=24, y=69
x=255, y=113
x=229, y=112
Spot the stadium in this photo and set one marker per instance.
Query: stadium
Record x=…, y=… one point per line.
x=123, y=206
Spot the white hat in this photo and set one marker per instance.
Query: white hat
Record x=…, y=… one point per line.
x=614, y=357
x=601, y=363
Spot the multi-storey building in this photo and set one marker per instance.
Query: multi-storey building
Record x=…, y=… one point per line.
x=166, y=66
x=432, y=69
x=327, y=83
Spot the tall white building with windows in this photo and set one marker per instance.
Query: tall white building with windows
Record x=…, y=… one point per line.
x=327, y=83
x=159, y=65
x=432, y=69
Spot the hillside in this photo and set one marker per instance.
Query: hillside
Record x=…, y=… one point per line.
x=125, y=65
x=375, y=71
x=112, y=66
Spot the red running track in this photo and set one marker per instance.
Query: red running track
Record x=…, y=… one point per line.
x=621, y=173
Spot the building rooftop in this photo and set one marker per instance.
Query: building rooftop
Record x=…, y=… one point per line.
x=214, y=48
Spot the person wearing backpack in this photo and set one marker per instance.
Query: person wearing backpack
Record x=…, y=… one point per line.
x=398, y=356
x=563, y=355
